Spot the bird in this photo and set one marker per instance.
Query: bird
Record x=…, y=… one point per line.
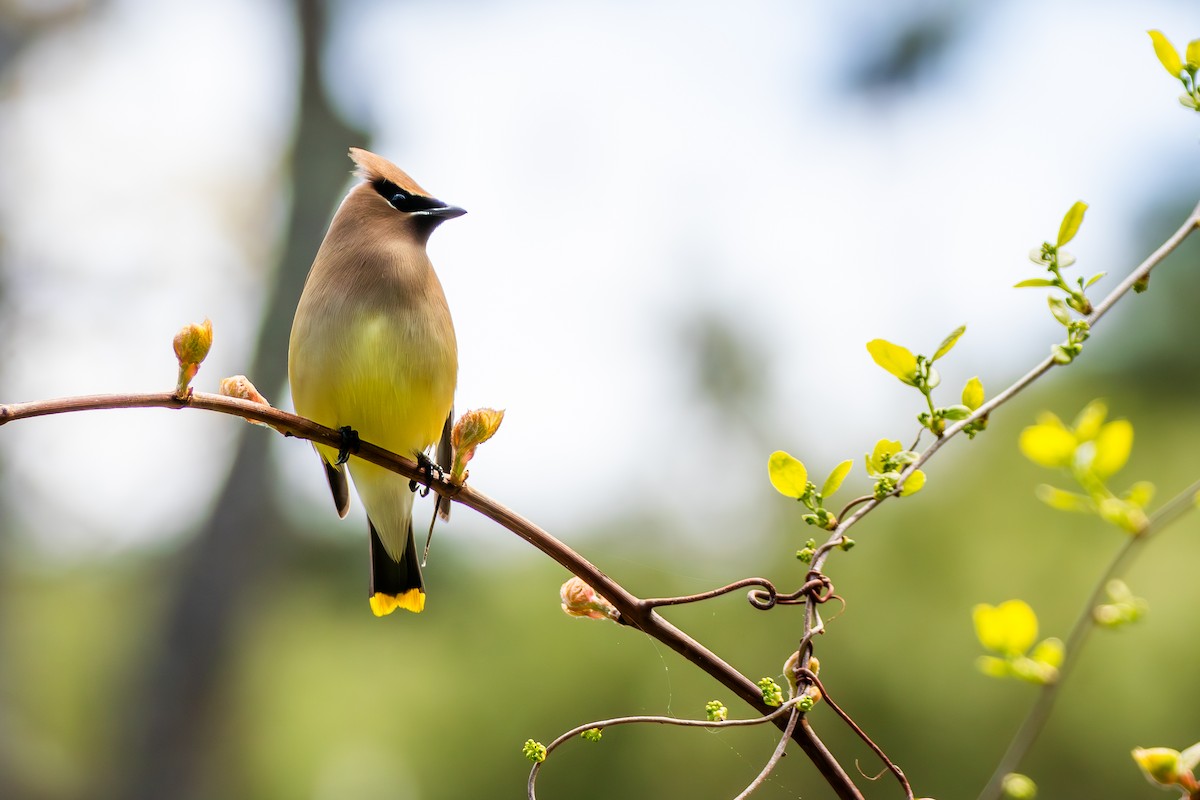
x=373, y=353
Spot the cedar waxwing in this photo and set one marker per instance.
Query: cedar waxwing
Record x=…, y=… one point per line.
x=373, y=351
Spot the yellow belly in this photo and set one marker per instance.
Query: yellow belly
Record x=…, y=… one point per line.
x=388, y=378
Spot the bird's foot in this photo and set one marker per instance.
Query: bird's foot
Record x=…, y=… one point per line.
x=349, y=445
x=432, y=473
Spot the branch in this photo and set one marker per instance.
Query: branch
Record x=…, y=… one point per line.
x=634, y=611
x=1140, y=273
x=1039, y=713
x=812, y=621
x=787, y=708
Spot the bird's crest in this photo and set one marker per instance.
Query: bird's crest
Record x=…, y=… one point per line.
x=374, y=168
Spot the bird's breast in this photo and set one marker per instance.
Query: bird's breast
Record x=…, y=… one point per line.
x=386, y=369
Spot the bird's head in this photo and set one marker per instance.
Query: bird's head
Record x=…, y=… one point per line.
x=399, y=193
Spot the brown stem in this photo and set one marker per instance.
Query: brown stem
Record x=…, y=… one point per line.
x=643, y=719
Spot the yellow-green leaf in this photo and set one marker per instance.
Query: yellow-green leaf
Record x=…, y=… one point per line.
x=884, y=448
x=1193, y=54
x=1049, y=418
x=1033, y=282
x=1160, y=765
x=1009, y=628
x=972, y=394
x=1062, y=500
x=992, y=667
x=1140, y=494
x=788, y=475
x=834, y=481
x=1168, y=56
x=913, y=484
x=1113, y=445
x=949, y=342
x=1048, y=445
x=1088, y=421
x=1049, y=652
x=897, y=360
x=1059, y=309
x=1123, y=514
x=1032, y=671
x=1071, y=222
x=1190, y=757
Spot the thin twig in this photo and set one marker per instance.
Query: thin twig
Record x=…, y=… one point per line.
x=1035, y=721
x=661, y=720
x=655, y=602
x=866, y=498
x=861, y=734
x=773, y=761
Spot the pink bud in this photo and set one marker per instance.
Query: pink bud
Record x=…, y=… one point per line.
x=238, y=386
x=581, y=600
x=472, y=429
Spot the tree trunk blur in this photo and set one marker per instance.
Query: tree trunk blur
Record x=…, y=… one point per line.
x=175, y=706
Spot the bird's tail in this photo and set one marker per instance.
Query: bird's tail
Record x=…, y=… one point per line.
x=395, y=584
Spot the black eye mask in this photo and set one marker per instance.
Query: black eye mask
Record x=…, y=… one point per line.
x=402, y=200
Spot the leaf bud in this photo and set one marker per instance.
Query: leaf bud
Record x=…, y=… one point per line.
x=191, y=344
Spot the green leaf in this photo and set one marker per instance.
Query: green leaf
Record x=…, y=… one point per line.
x=972, y=394
x=1063, y=500
x=897, y=360
x=1094, y=278
x=1059, y=309
x=913, y=483
x=949, y=342
x=956, y=413
x=1070, y=224
x=834, y=481
x=788, y=475
x=1193, y=54
x=1113, y=445
x=1168, y=56
x=1048, y=445
x=1033, y=283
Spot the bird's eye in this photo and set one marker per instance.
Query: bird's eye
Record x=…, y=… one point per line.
x=403, y=200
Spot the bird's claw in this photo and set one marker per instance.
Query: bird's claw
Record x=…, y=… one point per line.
x=349, y=446
x=432, y=472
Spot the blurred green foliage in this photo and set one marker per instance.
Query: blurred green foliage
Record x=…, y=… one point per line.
x=324, y=700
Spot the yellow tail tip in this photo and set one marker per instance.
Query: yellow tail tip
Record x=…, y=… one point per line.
x=383, y=604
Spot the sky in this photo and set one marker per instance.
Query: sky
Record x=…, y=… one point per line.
x=624, y=165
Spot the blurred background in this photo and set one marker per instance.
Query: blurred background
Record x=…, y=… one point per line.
x=686, y=219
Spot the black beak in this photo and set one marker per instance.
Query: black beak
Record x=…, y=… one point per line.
x=441, y=212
